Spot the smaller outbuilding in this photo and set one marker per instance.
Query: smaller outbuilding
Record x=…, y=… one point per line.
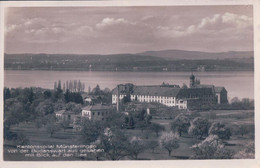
x=69, y=116
x=96, y=112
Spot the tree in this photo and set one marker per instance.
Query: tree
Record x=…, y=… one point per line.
x=38, y=123
x=243, y=130
x=211, y=148
x=7, y=93
x=199, y=127
x=115, y=144
x=97, y=90
x=130, y=122
x=157, y=128
x=64, y=124
x=67, y=96
x=136, y=147
x=73, y=107
x=59, y=105
x=31, y=95
x=44, y=108
x=55, y=85
x=47, y=94
x=91, y=131
x=116, y=120
x=180, y=124
x=59, y=90
x=169, y=141
x=52, y=128
x=220, y=130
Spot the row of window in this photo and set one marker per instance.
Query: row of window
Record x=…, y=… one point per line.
x=152, y=97
x=159, y=101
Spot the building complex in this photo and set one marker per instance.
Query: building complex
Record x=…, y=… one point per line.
x=195, y=96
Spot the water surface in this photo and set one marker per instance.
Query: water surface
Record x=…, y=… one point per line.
x=238, y=84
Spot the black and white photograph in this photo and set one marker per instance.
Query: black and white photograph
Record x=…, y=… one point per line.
x=128, y=83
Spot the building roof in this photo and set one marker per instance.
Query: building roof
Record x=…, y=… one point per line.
x=194, y=92
x=155, y=91
x=204, y=86
x=60, y=112
x=168, y=91
x=218, y=89
x=96, y=107
x=64, y=112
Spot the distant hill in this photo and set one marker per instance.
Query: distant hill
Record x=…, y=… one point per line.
x=167, y=60
x=197, y=55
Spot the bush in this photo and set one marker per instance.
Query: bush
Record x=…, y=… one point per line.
x=220, y=130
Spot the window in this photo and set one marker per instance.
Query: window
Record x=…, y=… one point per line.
x=93, y=113
x=98, y=113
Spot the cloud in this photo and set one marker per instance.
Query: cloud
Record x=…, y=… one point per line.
x=130, y=30
x=217, y=24
x=112, y=21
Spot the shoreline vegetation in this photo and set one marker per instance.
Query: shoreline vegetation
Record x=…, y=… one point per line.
x=172, y=61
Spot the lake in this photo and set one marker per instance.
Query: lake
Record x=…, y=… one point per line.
x=238, y=84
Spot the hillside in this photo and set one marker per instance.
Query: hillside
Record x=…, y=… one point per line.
x=197, y=55
x=156, y=61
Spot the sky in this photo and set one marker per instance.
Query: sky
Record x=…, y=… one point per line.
x=111, y=30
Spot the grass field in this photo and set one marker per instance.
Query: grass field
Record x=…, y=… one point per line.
x=229, y=117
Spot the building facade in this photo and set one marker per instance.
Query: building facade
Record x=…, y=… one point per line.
x=96, y=112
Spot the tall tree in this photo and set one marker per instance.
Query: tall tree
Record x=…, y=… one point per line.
x=7, y=93
x=55, y=85
x=59, y=90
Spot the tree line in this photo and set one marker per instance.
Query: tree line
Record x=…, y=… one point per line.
x=70, y=85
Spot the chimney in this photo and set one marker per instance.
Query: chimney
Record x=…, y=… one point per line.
x=118, y=100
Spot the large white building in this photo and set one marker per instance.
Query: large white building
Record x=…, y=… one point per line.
x=171, y=95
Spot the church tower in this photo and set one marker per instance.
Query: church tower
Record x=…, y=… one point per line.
x=192, y=80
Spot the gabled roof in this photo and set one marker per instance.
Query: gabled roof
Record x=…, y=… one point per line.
x=156, y=91
x=194, y=92
x=64, y=112
x=218, y=89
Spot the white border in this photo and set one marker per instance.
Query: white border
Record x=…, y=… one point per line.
x=254, y=163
